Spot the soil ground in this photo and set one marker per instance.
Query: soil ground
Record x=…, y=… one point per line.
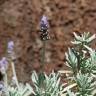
x=20, y=21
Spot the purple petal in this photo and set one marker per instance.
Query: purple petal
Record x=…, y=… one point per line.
x=3, y=62
x=44, y=21
x=10, y=45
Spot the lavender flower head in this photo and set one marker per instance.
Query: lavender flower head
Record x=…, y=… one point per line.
x=44, y=28
x=10, y=50
x=10, y=45
x=44, y=22
x=3, y=65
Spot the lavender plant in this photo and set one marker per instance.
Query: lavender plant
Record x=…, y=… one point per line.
x=81, y=78
x=3, y=70
x=12, y=57
x=49, y=87
x=45, y=85
x=44, y=35
x=6, y=88
x=82, y=62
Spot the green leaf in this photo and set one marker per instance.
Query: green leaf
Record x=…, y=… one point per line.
x=34, y=77
x=91, y=38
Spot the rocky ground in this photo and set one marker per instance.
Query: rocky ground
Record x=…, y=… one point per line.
x=19, y=21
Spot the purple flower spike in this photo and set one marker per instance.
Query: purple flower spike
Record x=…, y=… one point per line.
x=10, y=45
x=44, y=21
x=44, y=28
x=4, y=61
x=3, y=65
x=11, y=51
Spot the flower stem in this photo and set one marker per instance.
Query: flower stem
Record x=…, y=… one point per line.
x=6, y=84
x=43, y=55
x=5, y=80
x=41, y=74
x=14, y=74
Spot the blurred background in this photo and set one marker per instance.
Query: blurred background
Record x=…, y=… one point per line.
x=20, y=22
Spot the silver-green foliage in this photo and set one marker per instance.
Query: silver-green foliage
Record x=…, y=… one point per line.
x=82, y=61
x=24, y=90
x=46, y=85
x=84, y=83
x=84, y=39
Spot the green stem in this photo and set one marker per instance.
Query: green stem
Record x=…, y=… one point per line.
x=79, y=57
x=5, y=80
x=43, y=55
x=41, y=75
x=14, y=74
x=6, y=83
